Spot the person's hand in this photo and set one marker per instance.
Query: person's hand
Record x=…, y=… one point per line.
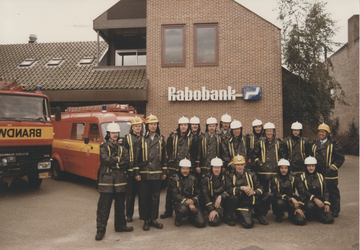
x=192, y=207
x=299, y=211
x=247, y=190
x=190, y=201
x=212, y=215
x=198, y=170
x=326, y=208
x=138, y=178
x=319, y=203
x=218, y=201
x=163, y=177
x=295, y=202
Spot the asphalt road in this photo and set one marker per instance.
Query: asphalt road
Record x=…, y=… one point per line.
x=61, y=215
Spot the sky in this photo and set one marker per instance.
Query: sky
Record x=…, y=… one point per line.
x=72, y=20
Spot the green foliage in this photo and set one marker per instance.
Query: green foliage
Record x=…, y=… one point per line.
x=307, y=38
x=350, y=140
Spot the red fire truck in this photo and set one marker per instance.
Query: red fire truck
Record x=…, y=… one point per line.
x=26, y=134
x=80, y=132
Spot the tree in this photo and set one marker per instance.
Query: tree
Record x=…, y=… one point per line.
x=309, y=90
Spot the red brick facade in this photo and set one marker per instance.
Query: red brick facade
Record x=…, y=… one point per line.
x=249, y=55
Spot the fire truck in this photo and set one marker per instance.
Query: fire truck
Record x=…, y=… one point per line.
x=26, y=134
x=79, y=133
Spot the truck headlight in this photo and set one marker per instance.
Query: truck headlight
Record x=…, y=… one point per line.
x=4, y=162
x=44, y=165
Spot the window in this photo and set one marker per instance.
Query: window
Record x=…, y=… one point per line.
x=130, y=57
x=173, y=45
x=27, y=63
x=55, y=62
x=77, y=131
x=94, y=134
x=206, y=44
x=87, y=60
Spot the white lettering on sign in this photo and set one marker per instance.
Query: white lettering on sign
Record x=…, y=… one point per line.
x=201, y=95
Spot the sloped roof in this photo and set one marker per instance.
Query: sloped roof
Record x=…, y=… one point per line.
x=69, y=75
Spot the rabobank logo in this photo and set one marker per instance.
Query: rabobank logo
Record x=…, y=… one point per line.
x=252, y=93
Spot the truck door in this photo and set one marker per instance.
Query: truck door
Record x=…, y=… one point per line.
x=74, y=148
x=91, y=160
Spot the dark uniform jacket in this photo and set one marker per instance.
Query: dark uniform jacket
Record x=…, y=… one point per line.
x=114, y=161
x=223, y=135
x=178, y=147
x=267, y=153
x=209, y=149
x=295, y=151
x=151, y=158
x=211, y=188
x=329, y=158
x=251, y=140
x=195, y=149
x=185, y=188
x=283, y=187
x=232, y=147
x=315, y=187
x=235, y=180
x=131, y=143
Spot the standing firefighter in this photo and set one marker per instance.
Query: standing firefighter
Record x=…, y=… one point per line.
x=330, y=157
x=186, y=193
x=251, y=140
x=295, y=149
x=235, y=145
x=245, y=191
x=179, y=145
x=210, y=146
x=112, y=182
x=196, y=135
x=131, y=143
x=224, y=130
x=152, y=169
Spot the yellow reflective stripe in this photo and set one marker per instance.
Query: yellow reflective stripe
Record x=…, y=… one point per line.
x=311, y=197
x=276, y=151
x=230, y=163
x=175, y=147
x=218, y=146
x=292, y=185
x=173, y=168
x=234, y=190
x=146, y=151
x=314, y=150
x=164, y=168
x=109, y=150
x=330, y=155
x=334, y=166
x=277, y=184
x=192, y=189
x=331, y=178
x=143, y=148
x=301, y=203
x=208, y=204
x=151, y=172
x=290, y=149
x=297, y=172
x=189, y=144
x=178, y=185
x=245, y=148
x=183, y=200
x=263, y=151
x=321, y=184
x=205, y=167
x=243, y=209
x=160, y=147
x=302, y=149
x=196, y=199
x=252, y=141
x=111, y=184
x=229, y=145
x=283, y=196
x=260, y=190
x=266, y=173
x=131, y=152
x=211, y=189
x=327, y=203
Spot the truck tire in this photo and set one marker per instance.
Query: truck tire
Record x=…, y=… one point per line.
x=55, y=170
x=34, y=180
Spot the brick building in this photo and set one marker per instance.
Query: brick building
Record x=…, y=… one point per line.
x=346, y=72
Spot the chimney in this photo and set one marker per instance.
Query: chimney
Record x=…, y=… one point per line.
x=32, y=38
x=353, y=30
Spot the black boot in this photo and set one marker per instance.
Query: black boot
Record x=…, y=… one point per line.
x=261, y=220
x=124, y=229
x=129, y=219
x=99, y=235
x=229, y=221
x=166, y=215
x=146, y=226
x=154, y=223
x=178, y=220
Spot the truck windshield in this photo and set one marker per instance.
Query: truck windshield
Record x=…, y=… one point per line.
x=24, y=108
x=124, y=128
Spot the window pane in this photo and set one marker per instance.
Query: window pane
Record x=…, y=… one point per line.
x=206, y=44
x=142, y=60
x=173, y=45
x=77, y=131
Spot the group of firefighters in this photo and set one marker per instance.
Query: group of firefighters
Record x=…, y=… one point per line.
x=219, y=171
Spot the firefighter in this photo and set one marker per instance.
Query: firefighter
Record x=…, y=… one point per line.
x=317, y=196
x=251, y=139
x=214, y=193
x=179, y=145
x=210, y=146
x=283, y=187
x=246, y=193
x=186, y=192
x=295, y=149
x=152, y=169
x=330, y=157
x=112, y=182
x=235, y=145
x=196, y=135
x=265, y=156
x=131, y=143
x=224, y=130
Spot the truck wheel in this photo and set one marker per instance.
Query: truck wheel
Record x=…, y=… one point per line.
x=55, y=170
x=34, y=180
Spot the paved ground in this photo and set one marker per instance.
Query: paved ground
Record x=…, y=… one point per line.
x=61, y=215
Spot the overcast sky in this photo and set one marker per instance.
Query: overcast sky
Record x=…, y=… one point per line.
x=72, y=20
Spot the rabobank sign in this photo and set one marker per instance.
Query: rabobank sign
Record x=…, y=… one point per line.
x=203, y=94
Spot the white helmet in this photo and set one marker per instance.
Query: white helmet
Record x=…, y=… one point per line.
x=113, y=127
x=256, y=122
x=269, y=125
x=297, y=125
x=194, y=120
x=235, y=124
x=216, y=162
x=185, y=163
x=310, y=161
x=226, y=118
x=283, y=162
x=183, y=120
x=211, y=120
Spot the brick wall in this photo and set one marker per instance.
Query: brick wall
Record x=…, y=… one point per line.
x=249, y=55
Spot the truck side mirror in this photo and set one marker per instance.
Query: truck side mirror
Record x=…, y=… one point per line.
x=57, y=114
x=86, y=140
